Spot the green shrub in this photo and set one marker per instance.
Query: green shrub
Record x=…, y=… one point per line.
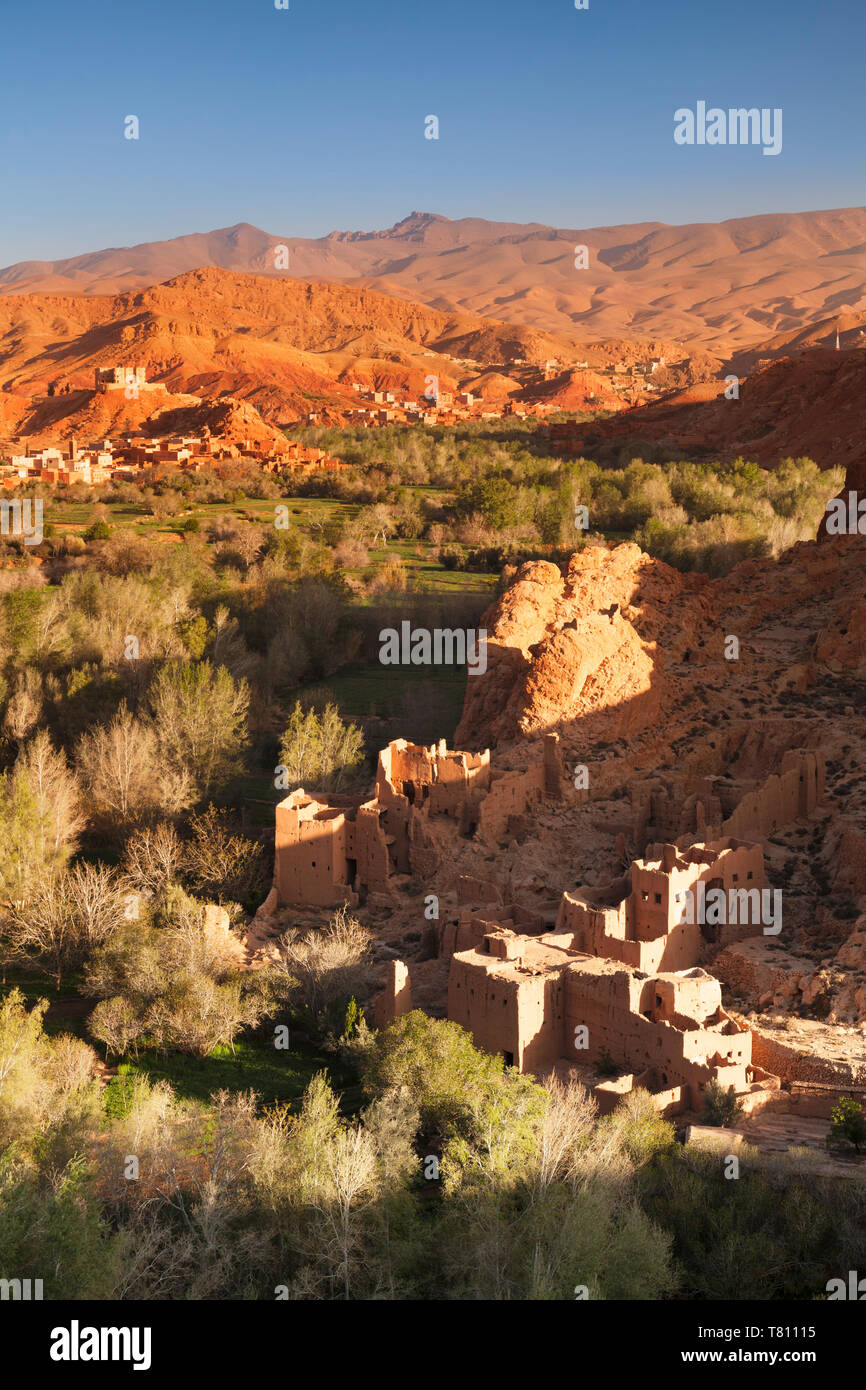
x=848, y=1124
x=720, y=1106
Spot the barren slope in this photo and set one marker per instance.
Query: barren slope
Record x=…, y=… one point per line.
x=812, y=405
x=287, y=345
x=724, y=285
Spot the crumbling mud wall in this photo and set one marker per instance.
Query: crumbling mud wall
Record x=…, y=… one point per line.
x=396, y=996
x=794, y=793
x=719, y=806
x=792, y=1060
x=340, y=849
x=649, y=929
x=539, y=1003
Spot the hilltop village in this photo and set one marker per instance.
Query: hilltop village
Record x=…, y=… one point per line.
x=129, y=458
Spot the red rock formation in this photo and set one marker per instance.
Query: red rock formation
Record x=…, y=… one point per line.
x=560, y=650
x=810, y=405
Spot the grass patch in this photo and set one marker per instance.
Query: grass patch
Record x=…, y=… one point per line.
x=279, y=1076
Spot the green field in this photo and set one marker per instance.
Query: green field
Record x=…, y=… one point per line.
x=307, y=514
x=279, y=1077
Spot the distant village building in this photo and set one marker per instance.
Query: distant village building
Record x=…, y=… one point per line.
x=118, y=378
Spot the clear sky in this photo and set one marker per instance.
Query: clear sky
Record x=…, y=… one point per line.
x=311, y=119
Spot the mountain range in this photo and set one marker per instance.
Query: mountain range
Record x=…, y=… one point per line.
x=724, y=287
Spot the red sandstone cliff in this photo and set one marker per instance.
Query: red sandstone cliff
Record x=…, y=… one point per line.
x=811, y=405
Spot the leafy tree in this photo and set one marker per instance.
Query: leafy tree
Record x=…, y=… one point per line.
x=39, y=818
x=176, y=985
x=720, y=1106
x=307, y=631
x=58, y=1233
x=492, y=497
x=466, y=1097
x=195, y=635
x=320, y=751
x=47, y=1087
x=24, y=1061
x=639, y=1128
x=199, y=715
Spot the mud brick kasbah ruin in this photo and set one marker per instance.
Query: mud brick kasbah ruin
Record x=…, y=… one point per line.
x=343, y=849
x=625, y=974
x=559, y=938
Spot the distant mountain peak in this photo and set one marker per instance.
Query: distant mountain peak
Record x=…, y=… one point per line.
x=425, y=217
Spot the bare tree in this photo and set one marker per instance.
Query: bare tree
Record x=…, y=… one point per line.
x=375, y=523
x=321, y=968
x=117, y=1024
x=119, y=764
x=123, y=771
x=57, y=792
x=248, y=542
x=219, y=861
x=39, y=818
x=67, y=917
x=25, y=705
x=153, y=856
x=354, y=1173
x=564, y=1132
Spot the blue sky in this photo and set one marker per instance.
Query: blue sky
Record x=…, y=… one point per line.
x=312, y=119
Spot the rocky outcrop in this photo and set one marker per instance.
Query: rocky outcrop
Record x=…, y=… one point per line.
x=564, y=648
x=841, y=645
